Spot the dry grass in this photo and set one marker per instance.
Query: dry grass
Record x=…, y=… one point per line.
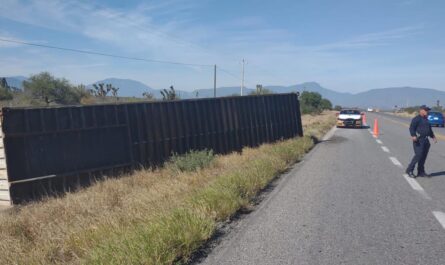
x=150, y=217
x=404, y=114
x=318, y=125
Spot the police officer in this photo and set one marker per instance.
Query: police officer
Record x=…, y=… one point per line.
x=420, y=130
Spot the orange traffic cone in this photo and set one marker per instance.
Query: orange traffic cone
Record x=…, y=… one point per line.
x=376, y=128
x=364, y=119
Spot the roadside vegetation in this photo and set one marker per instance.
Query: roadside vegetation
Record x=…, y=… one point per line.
x=191, y=161
x=260, y=90
x=156, y=216
x=313, y=103
x=410, y=112
x=404, y=114
x=44, y=89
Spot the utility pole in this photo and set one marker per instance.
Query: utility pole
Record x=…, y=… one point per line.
x=242, y=78
x=214, y=81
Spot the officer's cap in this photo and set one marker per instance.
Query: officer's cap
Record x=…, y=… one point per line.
x=425, y=107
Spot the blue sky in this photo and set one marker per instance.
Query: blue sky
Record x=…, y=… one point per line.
x=351, y=45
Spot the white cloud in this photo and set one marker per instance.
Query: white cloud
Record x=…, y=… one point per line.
x=163, y=31
x=131, y=30
x=372, y=39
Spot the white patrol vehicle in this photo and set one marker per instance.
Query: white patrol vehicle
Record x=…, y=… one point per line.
x=349, y=118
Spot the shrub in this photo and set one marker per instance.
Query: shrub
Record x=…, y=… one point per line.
x=46, y=88
x=191, y=161
x=313, y=103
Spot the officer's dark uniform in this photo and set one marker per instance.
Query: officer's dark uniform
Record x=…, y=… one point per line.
x=421, y=128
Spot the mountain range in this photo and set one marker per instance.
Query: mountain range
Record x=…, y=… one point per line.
x=384, y=98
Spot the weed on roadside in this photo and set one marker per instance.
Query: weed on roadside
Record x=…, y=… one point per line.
x=190, y=161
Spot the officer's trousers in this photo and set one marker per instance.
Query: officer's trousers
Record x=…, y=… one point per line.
x=421, y=148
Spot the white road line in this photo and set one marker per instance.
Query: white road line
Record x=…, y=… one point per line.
x=440, y=216
x=413, y=183
x=385, y=149
x=416, y=186
x=379, y=141
x=395, y=161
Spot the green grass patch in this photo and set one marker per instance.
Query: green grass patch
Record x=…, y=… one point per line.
x=169, y=239
x=190, y=161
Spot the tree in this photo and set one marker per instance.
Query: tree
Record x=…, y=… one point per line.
x=149, y=96
x=313, y=102
x=3, y=82
x=114, y=90
x=101, y=90
x=45, y=87
x=84, y=94
x=260, y=90
x=5, y=90
x=310, y=102
x=412, y=109
x=169, y=94
x=326, y=104
x=337, y=107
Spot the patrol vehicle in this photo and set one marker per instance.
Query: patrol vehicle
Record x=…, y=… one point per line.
x=349, y=118
x=436, y=118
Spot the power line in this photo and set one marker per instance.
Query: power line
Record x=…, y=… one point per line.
x=234, y=76
x=102, y=54
x=229, y=73
x=119, y=17
x=118, y=56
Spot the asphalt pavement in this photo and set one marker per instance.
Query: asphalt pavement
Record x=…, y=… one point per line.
x=348, y=202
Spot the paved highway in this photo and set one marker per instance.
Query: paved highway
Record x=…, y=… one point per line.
x=348, y=202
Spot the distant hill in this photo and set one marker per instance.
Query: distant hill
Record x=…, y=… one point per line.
x=339, y=98
x=384, y=98
x=400, y=96
x=128, y=87
x=308, y=86
x=222, y=92
x=334, y=96
x=16, y=81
